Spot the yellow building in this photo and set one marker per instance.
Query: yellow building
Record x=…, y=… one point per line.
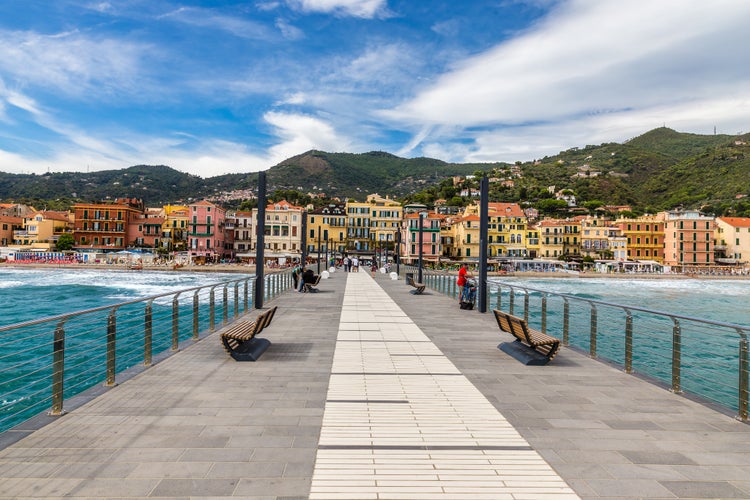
x=551, y=238
x=358, y=225
x=329, y=222
x=733, y=240
x=506, y=236
x=385, y=219
x=602, y=239
x=174, y=229
x=41, y=229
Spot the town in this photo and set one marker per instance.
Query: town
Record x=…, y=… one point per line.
x=380, y=229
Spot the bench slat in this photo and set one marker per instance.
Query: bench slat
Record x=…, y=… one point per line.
x=244, y=331
x=541, y=342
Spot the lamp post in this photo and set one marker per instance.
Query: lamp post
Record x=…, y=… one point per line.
x=318, y=249
x=421, y=250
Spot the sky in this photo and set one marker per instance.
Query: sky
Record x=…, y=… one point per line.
x=216, y=87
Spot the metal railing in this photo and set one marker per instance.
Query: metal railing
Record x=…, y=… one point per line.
x=693, y=356
x=45, y=362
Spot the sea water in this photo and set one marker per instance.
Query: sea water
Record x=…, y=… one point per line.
x=30, y=294
x=726, y=301
x=33, y=294
x=693, y=326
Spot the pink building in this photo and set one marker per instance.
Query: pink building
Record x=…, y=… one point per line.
x=688, y=240
x=206, y=238
x=431, y=245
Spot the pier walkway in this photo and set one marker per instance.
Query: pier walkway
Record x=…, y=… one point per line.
x=370, y=392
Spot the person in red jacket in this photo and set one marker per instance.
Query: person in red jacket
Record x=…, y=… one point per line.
x=463, y=273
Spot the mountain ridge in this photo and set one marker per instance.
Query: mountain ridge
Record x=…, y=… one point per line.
x=659, y=169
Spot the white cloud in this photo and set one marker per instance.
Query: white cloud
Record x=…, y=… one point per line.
x=207, y=18
x=71, y=63
x=356, y=8
x=205, y=157
x=608, y=63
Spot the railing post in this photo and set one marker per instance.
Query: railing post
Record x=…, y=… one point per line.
x=111, y=347
x=628, y=341
x=236, y=299
x=148, y=333
x=592, y=335
x=225, y=305
x=526, y=306
x=245, y=294
x=544, y=313
x=211, y=310
x=58, y=370
x=499, y=298
x=743, y=380
x=176, y=322
x=676, y=357
x=511, y=302
x=566, y=322
x=196, y=311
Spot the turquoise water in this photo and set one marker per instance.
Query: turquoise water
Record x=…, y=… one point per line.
x=26, y=352
x=29, y=294
x=709, y=354
x=719, y=300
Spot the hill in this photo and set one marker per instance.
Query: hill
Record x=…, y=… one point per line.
x=660, y=169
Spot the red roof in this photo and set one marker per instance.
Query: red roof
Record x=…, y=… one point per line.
x=736, y=221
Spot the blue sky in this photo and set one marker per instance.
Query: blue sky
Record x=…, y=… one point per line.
x=215, y=87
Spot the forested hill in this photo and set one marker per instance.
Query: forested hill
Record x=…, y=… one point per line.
x=657, y=170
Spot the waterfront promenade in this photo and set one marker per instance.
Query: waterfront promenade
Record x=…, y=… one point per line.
x=368, y=391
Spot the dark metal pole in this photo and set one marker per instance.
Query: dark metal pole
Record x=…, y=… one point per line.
x=397, y=253
x=483, y=231
x=303, y=241
x=421, y=250
x=318, y=249
x=260, y=241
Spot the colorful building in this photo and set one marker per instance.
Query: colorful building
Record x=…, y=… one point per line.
x=688, y=240
x=103, y=227
x=431, y=237
x=206, y=235
x=732, y=239
x=330, y=222
x=645, y=237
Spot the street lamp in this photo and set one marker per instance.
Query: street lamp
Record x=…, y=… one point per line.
x=421, y=249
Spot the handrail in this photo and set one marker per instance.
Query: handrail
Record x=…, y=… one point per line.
x=46, y=361
x=604, y=340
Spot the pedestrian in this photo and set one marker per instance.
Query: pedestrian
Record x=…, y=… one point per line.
x=373, y=268
x=463, y=273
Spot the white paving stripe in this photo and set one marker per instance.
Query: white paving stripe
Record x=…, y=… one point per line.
x=401, y=422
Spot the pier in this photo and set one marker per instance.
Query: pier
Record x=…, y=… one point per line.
x=370, y=392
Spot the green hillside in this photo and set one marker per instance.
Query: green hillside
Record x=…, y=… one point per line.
x=660, y=169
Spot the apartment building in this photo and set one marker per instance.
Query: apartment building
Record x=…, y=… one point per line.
x=329, y=222
x=358, y=237
x=602, y=239
x=104, y=226
x=688, y=239
x=385, y=220
x=42, y=229
x=206, y=235
x=732, y=240
x=431, y=238
x=645, y=237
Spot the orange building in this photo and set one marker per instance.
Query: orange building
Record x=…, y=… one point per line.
x=104, y=226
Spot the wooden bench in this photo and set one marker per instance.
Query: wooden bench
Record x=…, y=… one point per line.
x=311, y=287
x=418, y=287
x=541, y=343
x=240, y=339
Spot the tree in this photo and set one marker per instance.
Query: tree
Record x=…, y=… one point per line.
x=65, y=242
